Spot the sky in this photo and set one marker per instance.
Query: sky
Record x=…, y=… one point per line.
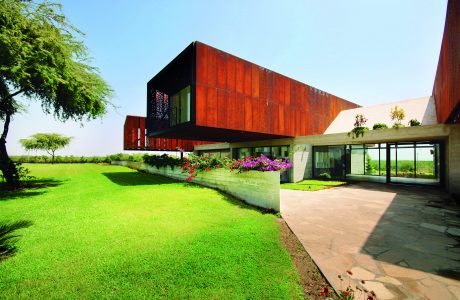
x=368, y=52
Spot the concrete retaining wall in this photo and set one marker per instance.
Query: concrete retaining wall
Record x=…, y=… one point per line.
x=260, y=189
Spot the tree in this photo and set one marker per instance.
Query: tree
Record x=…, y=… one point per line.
x=43, y=58
x=49, y=142
x=397, y=114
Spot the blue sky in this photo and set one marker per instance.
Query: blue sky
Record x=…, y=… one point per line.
x=368, y=52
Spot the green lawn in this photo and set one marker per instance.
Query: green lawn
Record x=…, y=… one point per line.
x=110, y=232
x=311, y=185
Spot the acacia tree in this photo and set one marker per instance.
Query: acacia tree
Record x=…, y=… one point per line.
x=42, y=57
x=49, y=142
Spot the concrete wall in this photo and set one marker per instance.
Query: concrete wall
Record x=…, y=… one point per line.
x=453, y=161
x=260, y=189
x=302, y=162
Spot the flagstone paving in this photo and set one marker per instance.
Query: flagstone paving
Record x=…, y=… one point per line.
x=402, y=241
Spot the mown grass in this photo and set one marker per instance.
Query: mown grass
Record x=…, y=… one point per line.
x=312, y=185
x=110, y=232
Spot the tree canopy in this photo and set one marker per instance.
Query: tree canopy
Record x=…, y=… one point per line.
x=42, y=57
x=49, y=142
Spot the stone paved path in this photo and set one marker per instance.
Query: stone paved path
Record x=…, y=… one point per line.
x=403, y=241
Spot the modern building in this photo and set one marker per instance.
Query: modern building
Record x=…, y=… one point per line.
x=205, y=94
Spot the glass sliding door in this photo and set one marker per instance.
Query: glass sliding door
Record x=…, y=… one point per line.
x=329, y=160
x=417, y=163
x=406, y=162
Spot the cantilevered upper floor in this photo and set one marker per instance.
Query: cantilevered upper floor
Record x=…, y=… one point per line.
x=208, y=94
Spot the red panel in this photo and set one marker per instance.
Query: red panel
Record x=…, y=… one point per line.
x=236, y=94
x=201, y=64
x=232, y=119
x=239, y=76
x=247, y=113
x=222, y=109
x=211, y=107
x=247, y=78
x=200, y=105
x=231, y=74
x=221, y=70
x=446, y=90
x=212, y=67
x=255, y=81
x=133, y=141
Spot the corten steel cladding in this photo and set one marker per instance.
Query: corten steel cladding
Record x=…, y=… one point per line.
x=235, y=100
x=135, y=138
x=232, y=93
x=446, y=90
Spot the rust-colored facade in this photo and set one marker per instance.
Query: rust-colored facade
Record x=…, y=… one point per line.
x=234, y=100
x=232, y=93
x=135, y=138
x=446, y=90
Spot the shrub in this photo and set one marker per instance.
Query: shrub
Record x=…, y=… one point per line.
x=162, y=160
x=414, y=122
x=378, y=126
x=359, y=129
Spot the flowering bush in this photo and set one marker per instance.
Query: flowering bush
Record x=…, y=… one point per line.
x=261, y=163
x=194, y=164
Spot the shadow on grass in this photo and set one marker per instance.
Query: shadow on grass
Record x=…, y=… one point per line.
x=137, y=178
x=9, y=237
x=29, y=188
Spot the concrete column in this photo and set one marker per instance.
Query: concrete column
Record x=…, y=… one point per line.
x=302, y=162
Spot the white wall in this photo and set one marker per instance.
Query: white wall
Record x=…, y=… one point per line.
x=422, y=109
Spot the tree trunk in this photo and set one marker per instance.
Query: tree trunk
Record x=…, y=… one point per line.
x=7, y=166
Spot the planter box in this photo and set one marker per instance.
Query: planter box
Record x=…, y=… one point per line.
x=257, y=188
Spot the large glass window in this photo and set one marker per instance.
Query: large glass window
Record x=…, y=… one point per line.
x=413, y=162
x=180, y=107
x=242, y=152
x=426, y=161
x=357, y=160
x=371, y=163
x=329, y=160
x=266, y=151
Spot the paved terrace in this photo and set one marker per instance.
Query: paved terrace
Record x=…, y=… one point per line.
x=402, y=240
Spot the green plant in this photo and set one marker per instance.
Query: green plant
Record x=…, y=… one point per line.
x=378, y=126
x=414, y=122
x=49, y=142
x=359, y=128
x=43, y=58
x=357, y=132
x=162, y=160
x=397, y=114
x=325, y=176
x=8, y=238
x=193, y=164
